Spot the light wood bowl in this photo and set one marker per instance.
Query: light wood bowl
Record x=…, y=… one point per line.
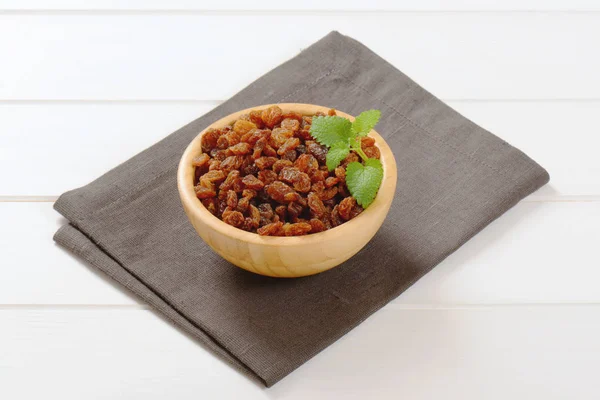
x=286, y=256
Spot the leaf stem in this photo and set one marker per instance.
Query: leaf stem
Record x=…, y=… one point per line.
x=357, y=148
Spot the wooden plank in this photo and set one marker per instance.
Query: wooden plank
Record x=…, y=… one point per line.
x=200, y=57
x=536, y=253
x=231, y=5
x=559, y=135
x=491, y=353
x=37, y=271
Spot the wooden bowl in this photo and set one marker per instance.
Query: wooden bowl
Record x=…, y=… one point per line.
x=286, y=256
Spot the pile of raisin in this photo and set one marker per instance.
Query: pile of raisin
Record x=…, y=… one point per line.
x=266, y=174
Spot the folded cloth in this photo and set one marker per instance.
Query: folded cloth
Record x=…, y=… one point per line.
x=454, y=178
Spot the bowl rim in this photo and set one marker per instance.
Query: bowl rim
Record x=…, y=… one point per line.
x=185, y=173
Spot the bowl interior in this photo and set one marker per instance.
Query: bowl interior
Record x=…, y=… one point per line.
x=185, y=181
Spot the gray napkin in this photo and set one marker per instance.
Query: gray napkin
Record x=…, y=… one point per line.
x=454, y=178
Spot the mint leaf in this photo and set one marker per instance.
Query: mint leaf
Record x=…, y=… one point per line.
x=337, y=153
x=366, y=121
x=363, y=181
x=330, y=129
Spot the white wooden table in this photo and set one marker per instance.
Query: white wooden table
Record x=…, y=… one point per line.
x=514, y=314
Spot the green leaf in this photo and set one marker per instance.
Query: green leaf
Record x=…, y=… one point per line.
x=337, y=153
x=363, y=181
x=366, y=121
x=330, y=129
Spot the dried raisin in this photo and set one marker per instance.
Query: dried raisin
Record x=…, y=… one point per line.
x=272, y=116
x=252, y=182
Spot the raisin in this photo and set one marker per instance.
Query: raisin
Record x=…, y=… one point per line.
x=288, y=145
x=211, y=205
x=318, y=151
x=201, y=160
x=372, y=152
x=250, y=193
x=265, y=162
x=272, y=116
x=289, y=174
x=303, y=134
x=218, y=154
x=290, y=155
x=272, y=229
x=209, y=140
x=281, y=212
x=335, y=218
x=267, y=176
x=222, y=195
x=232, y=138
x=319, y=176
x=329, y=204
x=302, y=183
x=294, y=211
x=367, y=141
x=240, y=149
x=302, y=201
x=234, y=218
x=307, y=163
x=301, y=149
x=228, y=182
x=281, y=192
x=231, y=163
x=352, y=157
x=243, y=204
x=355, y=211
x=318, y=187
x=252, y=182
x=242, y=126
x=259, y=147
x=317, y=225
x=328, y=194
x=280, y=164
x=340, y=173
x=247, y=225
x=254, y=136
x=203, y=192
x=222, y=143
x=266, y=213
x=197, y=173
x=254, y=116
x=331, y=181
x=316, y=206
x=343, y=189
x=298, y=229
x=232, y=199
x=248, y=167
x=345, y=207
x=214, y=164
x=290, y=124
x=254, y=216
x=269, y=151
x=292, y=115
x=213, y=176
x=238, y=186
x=279, y=136
x=224, y=210
x=262, y=196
